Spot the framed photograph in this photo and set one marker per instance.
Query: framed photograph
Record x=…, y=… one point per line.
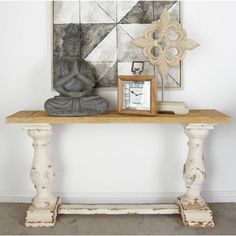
x=137, y=95
x=106, y=30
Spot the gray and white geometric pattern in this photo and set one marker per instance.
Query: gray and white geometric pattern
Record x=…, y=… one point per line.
x=107, y=29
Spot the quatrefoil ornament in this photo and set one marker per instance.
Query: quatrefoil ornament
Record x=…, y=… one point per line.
x=164, y=43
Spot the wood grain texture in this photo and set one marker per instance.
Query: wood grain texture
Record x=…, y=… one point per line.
x=194, y=116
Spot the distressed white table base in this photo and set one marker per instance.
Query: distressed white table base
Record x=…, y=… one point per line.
x=118, y=209
x=45, y=205
x=195, y=215
x=42, y=217
x=43, y=210
x=193, y=208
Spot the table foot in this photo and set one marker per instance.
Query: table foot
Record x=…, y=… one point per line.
x=42, y=217
x=194, y=210
x=195, y=214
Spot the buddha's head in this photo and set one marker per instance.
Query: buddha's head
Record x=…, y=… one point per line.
x=71, y=41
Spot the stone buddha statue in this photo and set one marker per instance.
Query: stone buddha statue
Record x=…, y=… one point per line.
x=74, y=81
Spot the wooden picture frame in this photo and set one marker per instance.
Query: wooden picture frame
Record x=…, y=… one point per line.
x=153, y=95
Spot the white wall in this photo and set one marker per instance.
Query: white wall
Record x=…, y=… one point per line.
x=123, y=163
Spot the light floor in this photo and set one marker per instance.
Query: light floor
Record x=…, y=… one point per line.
x=12, y=222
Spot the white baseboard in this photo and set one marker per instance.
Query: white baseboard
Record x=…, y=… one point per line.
x=139, y=197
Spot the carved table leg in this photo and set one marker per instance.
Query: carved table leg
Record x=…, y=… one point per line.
x=43, y=210
x=193, y=208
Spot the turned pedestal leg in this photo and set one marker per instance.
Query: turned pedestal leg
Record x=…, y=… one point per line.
x=43, y=210
x=193, y=208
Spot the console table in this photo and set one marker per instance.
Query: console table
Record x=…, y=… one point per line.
x=45, y=205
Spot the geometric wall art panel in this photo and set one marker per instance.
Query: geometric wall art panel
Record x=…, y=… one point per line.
x=66, y=12
x=106, y=29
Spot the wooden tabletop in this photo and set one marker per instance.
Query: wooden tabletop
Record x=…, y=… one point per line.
x=194, y=116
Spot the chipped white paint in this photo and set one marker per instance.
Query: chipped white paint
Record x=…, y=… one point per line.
x=45, y=205
x=42, y=217
x=118, y=209
x=194, y=209
x=195, y=215
x=42, y=212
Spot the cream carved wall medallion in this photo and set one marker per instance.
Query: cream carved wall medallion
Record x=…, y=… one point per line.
x=165, y=43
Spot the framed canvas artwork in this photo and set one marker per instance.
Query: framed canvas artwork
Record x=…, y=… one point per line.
x=106, y=30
